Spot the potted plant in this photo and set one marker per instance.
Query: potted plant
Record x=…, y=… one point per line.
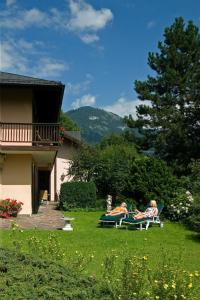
x=9, y=208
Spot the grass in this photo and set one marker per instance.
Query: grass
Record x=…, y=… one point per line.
x=174, y=240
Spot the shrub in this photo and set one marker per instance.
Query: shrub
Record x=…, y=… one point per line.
x=180, y=205
x=9, y=208
x=151, y=178
x=26, y=277
x=195, y=176
x=193, y=219
x=77, y=195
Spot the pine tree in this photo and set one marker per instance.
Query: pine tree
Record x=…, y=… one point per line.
x=173, y=115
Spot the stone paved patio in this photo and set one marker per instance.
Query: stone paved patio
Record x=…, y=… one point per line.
x=48, y=217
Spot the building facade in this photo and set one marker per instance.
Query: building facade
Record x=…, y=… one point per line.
x=29, y=137
x=59, y=174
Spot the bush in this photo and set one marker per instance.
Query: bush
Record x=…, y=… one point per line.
x=26, y=277
x=180, y=206
x=9, y=208
x=195, y=176
x=194, y=218
x=151, y=178
x=77, y=195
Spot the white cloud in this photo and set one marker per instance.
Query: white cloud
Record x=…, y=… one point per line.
x=10, y=2
x=85, y=17
x=11, y=59
x=89, y=38
x=124, y=107
x=84, y=101
x=21, y=19
x=82, y=19
x=48, y=67
x=80, y=87
x=151, y=24
x=18, y=57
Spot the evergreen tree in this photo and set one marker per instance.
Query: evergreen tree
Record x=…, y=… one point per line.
x=172, y=118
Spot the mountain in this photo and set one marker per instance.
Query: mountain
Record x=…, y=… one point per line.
x=96, y=123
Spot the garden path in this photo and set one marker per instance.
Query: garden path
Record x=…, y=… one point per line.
x=48, y=217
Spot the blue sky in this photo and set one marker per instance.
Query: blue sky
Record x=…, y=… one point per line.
x=97, y=48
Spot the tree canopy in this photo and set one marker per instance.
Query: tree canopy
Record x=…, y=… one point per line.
x=67, y=122
x=172, y=118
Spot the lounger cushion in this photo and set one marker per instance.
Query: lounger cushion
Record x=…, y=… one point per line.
x=111, y=218
x=135, y=221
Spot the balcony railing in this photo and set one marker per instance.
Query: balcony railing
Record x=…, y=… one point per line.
x=32, y=134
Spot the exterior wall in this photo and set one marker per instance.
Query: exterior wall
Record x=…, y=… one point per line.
x=0, y=182
x=16, y=107
x=2, y=158
x=64, y=156
x=17, y=180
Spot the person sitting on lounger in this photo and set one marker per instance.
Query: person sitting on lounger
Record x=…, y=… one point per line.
x=150, y=212
x=122, y=209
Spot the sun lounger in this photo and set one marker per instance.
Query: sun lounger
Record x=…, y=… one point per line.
x=145, y=222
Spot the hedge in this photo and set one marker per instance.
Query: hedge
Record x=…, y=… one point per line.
x=77, y=195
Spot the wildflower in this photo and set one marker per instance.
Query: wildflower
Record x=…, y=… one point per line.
x=157, y=297
x=196, y=273
x=148, y=293
x=173, y=285
x=156, y=281
x=165, y=286
x=190, y=285
x=145, y=257
x=191, y=275
x=182, y=296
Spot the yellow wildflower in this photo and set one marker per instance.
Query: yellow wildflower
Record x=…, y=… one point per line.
x=157, y=297
x=191, y=275
x=196, y=273
x=156, y=281
x=182, y=296
x=145, y=257
x=173, y=285
x=190, y=285
x=165, y=286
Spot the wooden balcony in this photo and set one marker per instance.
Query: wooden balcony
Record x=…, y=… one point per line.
x=29, y=134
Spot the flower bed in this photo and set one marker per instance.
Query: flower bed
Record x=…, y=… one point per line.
x=9, y=208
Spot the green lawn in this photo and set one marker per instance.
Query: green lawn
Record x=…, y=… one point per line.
x=172, y=241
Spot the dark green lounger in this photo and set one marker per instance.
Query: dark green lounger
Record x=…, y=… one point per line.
x=145, y=221
x=111, y=220
x=115, y=221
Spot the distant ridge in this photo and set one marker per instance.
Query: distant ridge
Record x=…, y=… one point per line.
x=96, y=123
